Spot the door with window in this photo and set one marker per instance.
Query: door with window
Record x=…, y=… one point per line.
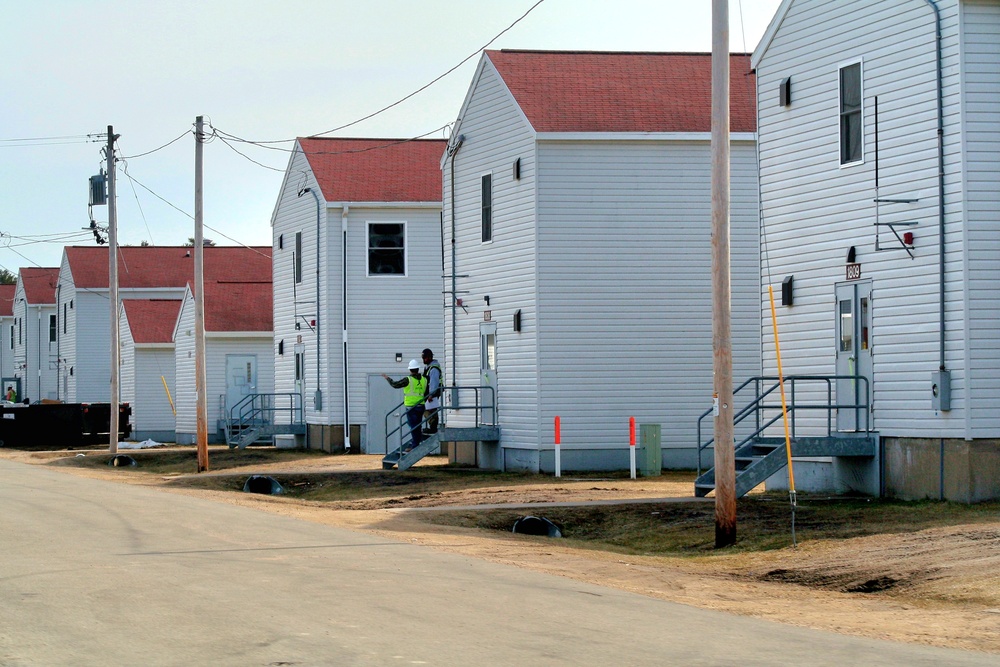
x=241, y=377
x=488, y=371
x=854, y=355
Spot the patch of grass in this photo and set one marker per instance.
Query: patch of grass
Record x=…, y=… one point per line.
x=360, y=485
x=763, y=522
x=182, y=460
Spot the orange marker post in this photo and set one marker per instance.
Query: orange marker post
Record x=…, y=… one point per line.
x=558, y=443
x=631, y=445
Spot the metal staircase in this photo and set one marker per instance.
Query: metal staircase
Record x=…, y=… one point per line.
x=758, y=456
x=484, y=428
x=261, y=416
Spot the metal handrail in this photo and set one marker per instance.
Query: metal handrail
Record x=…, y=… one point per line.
x=263, y=409
x=479, y=407
x=758, y=406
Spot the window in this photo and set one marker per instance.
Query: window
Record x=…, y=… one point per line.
x=851, y=140
x=52, y=328
x=487, y=202
x=64, y=318
x=298, y=257
x=19, y=330
x=12, y=336
x=300, y=366
x=386, y=248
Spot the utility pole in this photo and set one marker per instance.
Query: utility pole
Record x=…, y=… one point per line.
x=722, y=344
x=200, y=377
x=113, y=288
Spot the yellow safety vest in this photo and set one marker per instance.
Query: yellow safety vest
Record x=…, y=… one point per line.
x=413, y=393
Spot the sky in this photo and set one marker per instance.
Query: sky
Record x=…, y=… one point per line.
x=266, y=71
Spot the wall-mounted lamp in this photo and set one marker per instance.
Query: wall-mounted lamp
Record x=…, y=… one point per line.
x=487, y=300
x=785, y=92
x=517, y=320
x=908, y=238
x=399, y=357
x=787, y=298
x=281, y=346
x=852, y=255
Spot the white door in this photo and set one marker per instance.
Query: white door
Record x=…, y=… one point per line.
x=488, y=372
x=854, y=354
x=382, y=398
x=241, y=377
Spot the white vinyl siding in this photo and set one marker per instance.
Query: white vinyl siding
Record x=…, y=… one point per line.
x=386, y=314
x=34, y=357
x=981, y=55
x=151, y=407
x=625, y=288
x=814, y=212
x=294, y=214
x=496, y=134
x=217, y=346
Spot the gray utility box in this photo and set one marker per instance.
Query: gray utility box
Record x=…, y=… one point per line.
x=650, y=462
x=941, y=390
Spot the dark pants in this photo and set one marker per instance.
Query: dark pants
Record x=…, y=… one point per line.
x=414, y=416
x=432, y=420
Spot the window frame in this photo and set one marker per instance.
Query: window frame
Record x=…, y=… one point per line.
x=844, y=116
x=53, y=327
x=486, y=207
x=405, y=248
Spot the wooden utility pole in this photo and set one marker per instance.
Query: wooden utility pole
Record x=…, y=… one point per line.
x=722, y=344
x=113, y=290
x=200, y=376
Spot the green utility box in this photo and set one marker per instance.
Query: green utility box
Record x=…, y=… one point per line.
x=650, y=461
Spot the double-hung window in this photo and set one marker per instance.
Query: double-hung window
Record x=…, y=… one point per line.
x=851, y=128
x=387, y=248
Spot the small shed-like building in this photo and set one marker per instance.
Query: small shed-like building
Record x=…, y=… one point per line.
x=239, y=357
x=146, y=328
x=577, y=216
x=36, y=350
x=880, y=193
x=357, y=275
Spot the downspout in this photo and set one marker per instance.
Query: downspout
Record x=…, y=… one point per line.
x=318, y=396
x=38, y=351
x=452, y=152
x=940, y=150
x=343, y=267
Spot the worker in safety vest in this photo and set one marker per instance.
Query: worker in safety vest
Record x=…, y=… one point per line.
x=433, y=375
x=414, y=389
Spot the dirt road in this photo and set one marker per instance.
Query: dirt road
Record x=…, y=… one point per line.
x=939, y=587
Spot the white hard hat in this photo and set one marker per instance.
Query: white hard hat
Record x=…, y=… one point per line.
x=414, y=364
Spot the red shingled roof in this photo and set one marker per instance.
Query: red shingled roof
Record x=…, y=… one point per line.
x=7, y=300
x=376, y=170
x=39, y=284
x=239, y=306
x=575, y=91
x=151, y=320
x=165, y=266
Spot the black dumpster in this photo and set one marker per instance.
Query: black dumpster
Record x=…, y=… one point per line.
x=61, y=425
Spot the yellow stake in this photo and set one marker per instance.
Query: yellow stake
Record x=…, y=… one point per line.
x=781, y=384
x=167, y=389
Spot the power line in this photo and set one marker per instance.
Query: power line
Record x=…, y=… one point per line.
x=403, y=99
x=172, y=141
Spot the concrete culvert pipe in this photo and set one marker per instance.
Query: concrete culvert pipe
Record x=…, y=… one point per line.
x=263, y=484
x=533, y=525
x=122, y=460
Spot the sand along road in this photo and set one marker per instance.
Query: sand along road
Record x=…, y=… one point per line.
x=99, y=573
